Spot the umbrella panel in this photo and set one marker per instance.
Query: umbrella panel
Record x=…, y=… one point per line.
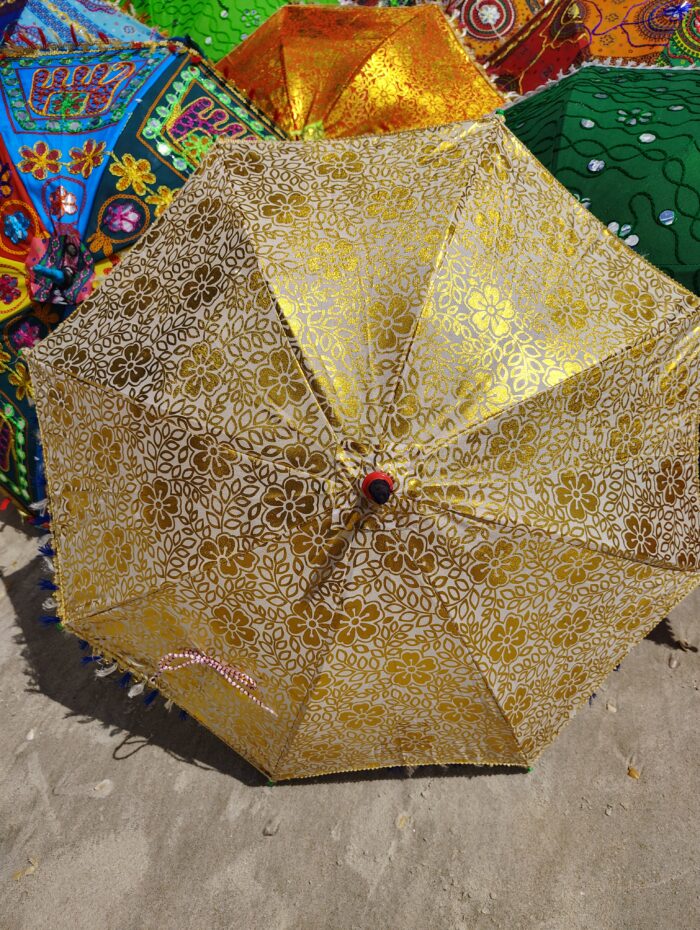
x=622, y=140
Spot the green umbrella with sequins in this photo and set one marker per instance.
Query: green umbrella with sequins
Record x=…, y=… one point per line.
x=626, y=142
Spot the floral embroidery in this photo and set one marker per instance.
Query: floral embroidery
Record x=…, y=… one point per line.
x=132, y=172
x=632, y=117
x=16, y=227
x=161, y=200
x=63, y=202
x=5, y=181
x=85, y=160
x=25, y=336
x=19, y=379
x=8, y=288
x=40, y=161
x=122, y=217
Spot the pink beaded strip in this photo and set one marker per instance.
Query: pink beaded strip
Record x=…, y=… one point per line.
x=233, y=676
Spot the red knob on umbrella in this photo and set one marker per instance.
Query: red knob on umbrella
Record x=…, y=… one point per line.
x=377, y=486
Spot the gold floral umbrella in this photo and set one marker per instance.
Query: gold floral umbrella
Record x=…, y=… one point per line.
x=377, y=451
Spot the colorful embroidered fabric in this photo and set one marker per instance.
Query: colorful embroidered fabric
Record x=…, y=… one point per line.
x=683, y=47
x=94, y=143
x=626, y=142
x=485, y=24
x=216, y=26
x=430, y=305
x=567, y=33
x=66, y=22
x=359, y=70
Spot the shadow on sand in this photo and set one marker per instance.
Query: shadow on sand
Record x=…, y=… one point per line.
x=54, y=668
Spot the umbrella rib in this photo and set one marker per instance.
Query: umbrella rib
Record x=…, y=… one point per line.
x=365, y=59
x=436, y=508
x=641, y=342
x=207, y=429
x=451, y=232
x=349, y=532
x=163, y=586
x=478, y=668
x=284, y=323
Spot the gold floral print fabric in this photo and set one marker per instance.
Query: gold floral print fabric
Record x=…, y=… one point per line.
x=433, y=305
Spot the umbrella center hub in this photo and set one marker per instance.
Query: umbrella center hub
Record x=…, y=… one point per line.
x=378, y=486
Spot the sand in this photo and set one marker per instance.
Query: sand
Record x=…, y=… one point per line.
x=118, y=817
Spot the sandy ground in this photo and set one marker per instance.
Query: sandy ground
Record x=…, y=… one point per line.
x=118, y=817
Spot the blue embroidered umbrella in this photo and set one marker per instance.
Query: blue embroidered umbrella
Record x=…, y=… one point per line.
x=94, y=143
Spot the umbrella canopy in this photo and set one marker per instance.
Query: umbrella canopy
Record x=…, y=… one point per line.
x=566, y=33
x=485, y=24
x=359, y=70
x=94, y=142
x=215, y=25
x=683, y=49
x=410, y=458
x=75, y=21
x=626, y=141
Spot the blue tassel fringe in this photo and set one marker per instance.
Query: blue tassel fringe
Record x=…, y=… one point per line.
x=49, y=619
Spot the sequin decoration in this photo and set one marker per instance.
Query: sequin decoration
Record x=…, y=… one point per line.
x=650, y=177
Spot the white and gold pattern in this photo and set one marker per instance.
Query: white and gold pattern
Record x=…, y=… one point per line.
x=432, y=305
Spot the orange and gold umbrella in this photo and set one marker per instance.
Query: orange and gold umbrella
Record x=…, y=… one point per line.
x=345, y=72
x=374, y=451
